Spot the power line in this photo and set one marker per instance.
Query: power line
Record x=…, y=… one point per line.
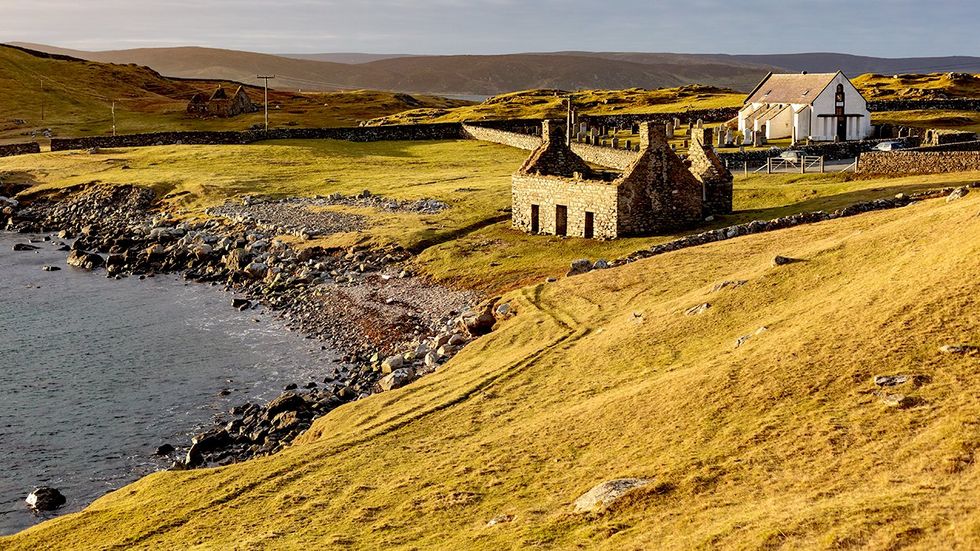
x=266, y=89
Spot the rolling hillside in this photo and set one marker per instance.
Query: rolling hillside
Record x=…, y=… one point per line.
x=486, y=75
x=781, y=441
x=78, y=95
x=456, y=75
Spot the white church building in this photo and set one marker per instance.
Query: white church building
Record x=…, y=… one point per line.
x=818, y=106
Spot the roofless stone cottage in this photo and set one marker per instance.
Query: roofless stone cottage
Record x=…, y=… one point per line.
x=556, y=192
x=818, y=107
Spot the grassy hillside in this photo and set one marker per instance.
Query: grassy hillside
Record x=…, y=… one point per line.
x=919, y=86
x=779, y=443
x=548, y=103
x=78, y=96
x=455, y=74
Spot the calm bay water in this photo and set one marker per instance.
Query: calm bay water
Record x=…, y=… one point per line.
x=96, y=373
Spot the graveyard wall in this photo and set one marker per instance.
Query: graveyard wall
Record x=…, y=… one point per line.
x=918, y=162
x=953, y=146
x=619, y=159
x=19, y=149
x=527, y=142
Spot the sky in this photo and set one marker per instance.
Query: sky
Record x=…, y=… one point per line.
x=885, y=28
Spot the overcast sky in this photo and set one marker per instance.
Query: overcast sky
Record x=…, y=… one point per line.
x=888, y=28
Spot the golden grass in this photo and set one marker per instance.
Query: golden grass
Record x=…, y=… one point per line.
x=933, y=118
x=463, y=246
x=541, y=104
x=778, y=443
x=918, y=86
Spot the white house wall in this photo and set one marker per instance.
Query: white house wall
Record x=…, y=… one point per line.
x=780, y=125
x=825, y=128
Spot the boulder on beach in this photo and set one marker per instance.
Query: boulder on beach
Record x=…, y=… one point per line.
x=45, y=498
x=84, y=260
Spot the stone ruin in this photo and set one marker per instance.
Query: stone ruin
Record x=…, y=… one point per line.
x=220, y=105
x=556, y=192
x=708, y=168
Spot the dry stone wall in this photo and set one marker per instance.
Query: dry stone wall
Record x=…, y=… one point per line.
x=19, y=149
x=954, y=104
x=527, y=142
x=620, y=159
x=918, y=162
x=448, y=131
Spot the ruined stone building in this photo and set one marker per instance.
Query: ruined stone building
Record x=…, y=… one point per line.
x=220, y=105
x=556, y=192
x=708, y=168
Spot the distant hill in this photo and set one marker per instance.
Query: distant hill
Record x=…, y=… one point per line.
x=457, y=75
x=77, y=98
x=352, y=58
x=854, y=65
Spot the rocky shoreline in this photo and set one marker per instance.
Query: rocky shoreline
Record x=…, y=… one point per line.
x=390, y=327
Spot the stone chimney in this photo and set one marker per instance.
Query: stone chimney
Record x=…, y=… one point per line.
x=703, y=136
x=652, y=135
x=552, y=131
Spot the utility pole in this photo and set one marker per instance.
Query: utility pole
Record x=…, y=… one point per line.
x=266, y=79
x=42, y=98
x=113, y=119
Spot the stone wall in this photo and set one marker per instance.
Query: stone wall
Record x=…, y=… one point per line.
x=527, y=142
x=626, y=120
x=579, y=197
x=959, y=104
x=954, y=146
x=918, y=162
x=830, y=151
x=19, y=149
x=619, y=159
x=448, y=131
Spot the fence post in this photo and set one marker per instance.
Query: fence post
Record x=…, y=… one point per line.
x=768, y=165
x=803, y=165
x=821, y=164
x=745, y=167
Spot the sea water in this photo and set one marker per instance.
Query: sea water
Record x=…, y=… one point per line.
x=96, y=373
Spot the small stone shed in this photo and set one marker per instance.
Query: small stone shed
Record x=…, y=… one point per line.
x=220, y=105
x=556, y=192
